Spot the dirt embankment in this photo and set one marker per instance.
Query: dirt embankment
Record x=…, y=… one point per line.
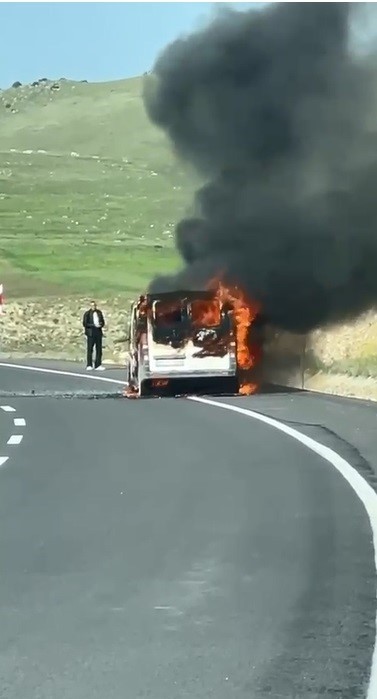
x=54, y=330
x=341, y=360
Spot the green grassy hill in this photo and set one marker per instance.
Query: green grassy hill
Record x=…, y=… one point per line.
x=89, y=190
x=89, y=196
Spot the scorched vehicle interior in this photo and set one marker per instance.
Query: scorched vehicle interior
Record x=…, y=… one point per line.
x=181, y=342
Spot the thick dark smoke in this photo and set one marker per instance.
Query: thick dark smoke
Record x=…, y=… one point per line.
x=276, y=112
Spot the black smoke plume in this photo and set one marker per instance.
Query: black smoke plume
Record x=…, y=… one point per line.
x=275, y=111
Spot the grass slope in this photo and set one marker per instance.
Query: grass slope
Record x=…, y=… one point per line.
x=89, y=196
x=89, y=190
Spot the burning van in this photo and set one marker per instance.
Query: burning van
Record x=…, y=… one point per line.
x=180, y=343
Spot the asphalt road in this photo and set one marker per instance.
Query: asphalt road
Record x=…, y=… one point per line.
x=169, y=549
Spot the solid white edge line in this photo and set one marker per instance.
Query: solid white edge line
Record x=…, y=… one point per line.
x=15, y=439
x=62, y=373
x=19, y=422
x=7, y=408
x=3, y=459
x=363, y=490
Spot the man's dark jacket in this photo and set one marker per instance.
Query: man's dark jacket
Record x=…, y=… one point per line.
x=88, y=323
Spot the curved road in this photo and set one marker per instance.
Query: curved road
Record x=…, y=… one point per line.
x=171, y=549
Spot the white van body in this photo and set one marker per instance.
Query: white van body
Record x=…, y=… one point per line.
x=180, y=356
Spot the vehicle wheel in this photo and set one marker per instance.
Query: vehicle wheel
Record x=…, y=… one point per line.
x=144, y=389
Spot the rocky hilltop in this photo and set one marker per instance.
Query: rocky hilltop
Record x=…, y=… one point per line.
x=43, y=90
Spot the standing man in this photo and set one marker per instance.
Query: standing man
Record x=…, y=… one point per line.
x=93, y=322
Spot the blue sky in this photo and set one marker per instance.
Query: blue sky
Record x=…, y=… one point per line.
x=92, y=41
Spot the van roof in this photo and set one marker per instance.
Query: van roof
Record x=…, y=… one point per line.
x=180, y=295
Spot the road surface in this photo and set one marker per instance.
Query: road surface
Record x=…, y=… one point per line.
x=171, y=549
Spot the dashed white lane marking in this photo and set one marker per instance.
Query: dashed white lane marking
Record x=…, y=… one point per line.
x=62, y=373
x=363, y=490
x=15, y=439
x=58, y=372
x=19, y=422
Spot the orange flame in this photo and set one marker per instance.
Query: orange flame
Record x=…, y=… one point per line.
x=245, y=312
x=205, y=313
x=130, y=392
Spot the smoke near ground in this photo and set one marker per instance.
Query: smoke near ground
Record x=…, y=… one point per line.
x=276, y=114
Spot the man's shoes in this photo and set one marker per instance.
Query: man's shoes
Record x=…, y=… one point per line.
x=100, y=368
x=89, y=368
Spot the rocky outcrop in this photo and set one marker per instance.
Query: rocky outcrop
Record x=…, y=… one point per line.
x=18, y=94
